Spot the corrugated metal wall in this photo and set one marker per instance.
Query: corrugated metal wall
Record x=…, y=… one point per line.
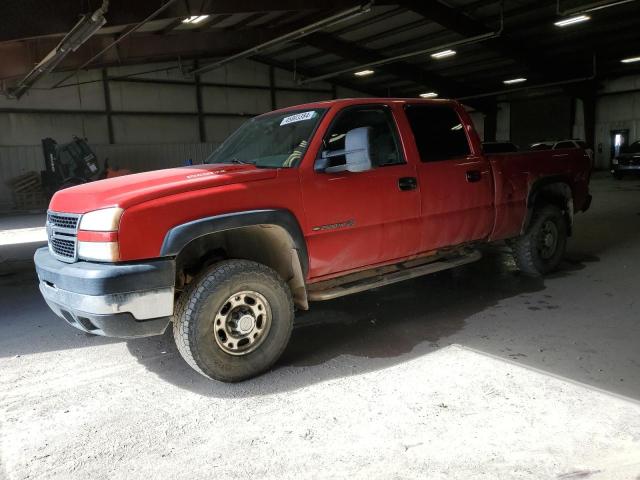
x=154, y=125
x=617, y=111
x=15, y=161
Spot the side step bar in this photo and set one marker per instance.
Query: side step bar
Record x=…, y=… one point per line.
x=316, y=293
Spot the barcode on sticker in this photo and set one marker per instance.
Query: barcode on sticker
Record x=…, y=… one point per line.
x=298, y=117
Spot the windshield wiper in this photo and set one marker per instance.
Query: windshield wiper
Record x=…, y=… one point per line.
x=235, y=160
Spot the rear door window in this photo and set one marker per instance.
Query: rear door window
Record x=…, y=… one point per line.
x=565, y=145
x=438, y=131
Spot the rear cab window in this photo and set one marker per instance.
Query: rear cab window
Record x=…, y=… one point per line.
x=438, y=131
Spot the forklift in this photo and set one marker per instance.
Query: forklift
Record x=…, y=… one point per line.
x=71, y=164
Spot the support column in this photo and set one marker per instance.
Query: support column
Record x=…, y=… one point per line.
x=202, y=131
x=589, y=110
x=107, y=105
x=272, y=87
x=491, y=123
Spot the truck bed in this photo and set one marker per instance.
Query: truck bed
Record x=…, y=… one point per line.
x=516, y=173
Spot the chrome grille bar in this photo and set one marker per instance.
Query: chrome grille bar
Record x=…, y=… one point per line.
x=62, y=232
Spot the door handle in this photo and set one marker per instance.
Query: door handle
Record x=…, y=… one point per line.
x=408, y=183
x=474, y=176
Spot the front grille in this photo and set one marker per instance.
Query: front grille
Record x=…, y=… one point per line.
x=62, y=230
x=64, y=247
x=62, y=221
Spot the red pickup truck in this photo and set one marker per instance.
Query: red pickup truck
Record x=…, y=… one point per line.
x=302, y=204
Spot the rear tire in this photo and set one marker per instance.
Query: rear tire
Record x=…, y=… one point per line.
x=234, y=321
x=541, y=248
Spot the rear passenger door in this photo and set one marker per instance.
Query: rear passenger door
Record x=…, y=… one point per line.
x=455, y=182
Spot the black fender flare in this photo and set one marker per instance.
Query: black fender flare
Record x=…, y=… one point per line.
x=535, y=189
x=180, y=236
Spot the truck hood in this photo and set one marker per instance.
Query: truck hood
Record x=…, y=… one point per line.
x=130, y=190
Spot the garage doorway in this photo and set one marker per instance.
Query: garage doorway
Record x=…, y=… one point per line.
x=619, y=139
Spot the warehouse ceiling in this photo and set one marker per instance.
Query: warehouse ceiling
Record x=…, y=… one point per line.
x=494, y=41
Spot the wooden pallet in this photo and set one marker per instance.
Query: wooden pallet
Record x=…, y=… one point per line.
x=28, y=182
x=29, y=200
x=27, y=191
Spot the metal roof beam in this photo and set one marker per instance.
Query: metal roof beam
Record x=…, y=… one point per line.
x=460, y=23
x=369, y=90
x=23, y=19
x=406, y=71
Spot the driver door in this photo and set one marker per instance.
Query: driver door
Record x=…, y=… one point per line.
x=359, y=219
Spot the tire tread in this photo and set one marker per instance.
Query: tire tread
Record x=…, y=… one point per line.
x=524, y=245
x=184, y=323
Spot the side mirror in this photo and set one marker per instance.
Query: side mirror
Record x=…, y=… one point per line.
x=357, y=153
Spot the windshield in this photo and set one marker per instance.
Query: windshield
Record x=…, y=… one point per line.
x=271, y=141
x=633, y=148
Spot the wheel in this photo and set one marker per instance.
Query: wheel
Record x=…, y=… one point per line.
x=234, y=321
x=541, y=248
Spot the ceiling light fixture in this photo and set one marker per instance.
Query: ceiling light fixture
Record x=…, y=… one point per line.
x=429, y=95
x=363, y=73
x=630, y=60
x=443, y=54
x=195, y=19
x=514, y=80
x=571, y=20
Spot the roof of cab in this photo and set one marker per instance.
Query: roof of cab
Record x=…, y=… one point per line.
x=343, y=102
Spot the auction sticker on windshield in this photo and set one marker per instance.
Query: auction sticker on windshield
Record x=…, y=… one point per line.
x=298, y=117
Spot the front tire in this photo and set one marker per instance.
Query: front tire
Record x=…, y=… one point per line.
x=541, y=248
x=234, y=321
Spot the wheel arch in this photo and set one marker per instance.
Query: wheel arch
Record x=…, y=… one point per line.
x=553, y=190
x=272, y=237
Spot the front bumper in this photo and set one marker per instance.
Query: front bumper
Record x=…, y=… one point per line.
x=114, y=300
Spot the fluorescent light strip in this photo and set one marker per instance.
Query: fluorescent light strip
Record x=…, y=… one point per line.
x=429, y=95
x=195, y=19
x=443, y=54
x=571, y=20
x=363, y=73
x=630, y=60
x=514, y=80
x=200, y=18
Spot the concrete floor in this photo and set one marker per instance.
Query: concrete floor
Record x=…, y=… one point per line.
x=20, y=235
x=474, y=373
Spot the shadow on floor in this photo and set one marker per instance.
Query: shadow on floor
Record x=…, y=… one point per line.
x=379, y=328
x=27, y=325
x=389, y=325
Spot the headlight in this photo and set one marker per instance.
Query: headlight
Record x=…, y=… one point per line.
x=98, y=235
x=105, y=220
x=99, y=251
x=615, y=161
